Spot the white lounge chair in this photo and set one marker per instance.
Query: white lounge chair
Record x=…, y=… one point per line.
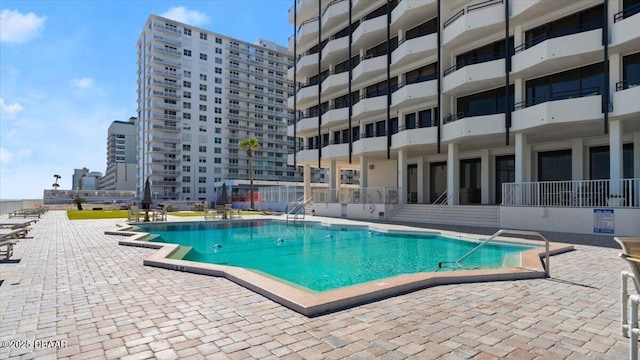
x=630, y=253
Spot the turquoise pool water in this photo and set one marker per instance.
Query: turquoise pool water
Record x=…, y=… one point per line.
x=322, y=258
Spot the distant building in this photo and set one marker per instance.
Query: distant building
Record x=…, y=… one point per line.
x=83, y=179
x=121, y=173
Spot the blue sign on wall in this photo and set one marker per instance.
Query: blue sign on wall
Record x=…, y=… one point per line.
x=603, y=221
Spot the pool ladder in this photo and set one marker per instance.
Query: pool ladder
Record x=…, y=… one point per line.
x=513, y=232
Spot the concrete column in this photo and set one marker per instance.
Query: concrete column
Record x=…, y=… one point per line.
x=306, y=172
x=636, y=154
x=518, y=91
x=577, y=159
x=338, y=177
x=485, y=177
x=332, y=174
x=522, y=158
x=615, y=71
x=364, y=172
x=402, y=177
x=518, y=37
x=615, y=155
x=453, y=173
x=421, y=182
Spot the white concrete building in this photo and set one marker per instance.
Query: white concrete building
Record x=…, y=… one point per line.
x=83, y=179
x=517, y=103
x=121, y=173
x=199, y=94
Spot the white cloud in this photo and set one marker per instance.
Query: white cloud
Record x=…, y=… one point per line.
x=5, y=155
x=84, y=83
x=183, y=15
x=18, y=28
x=10, y=109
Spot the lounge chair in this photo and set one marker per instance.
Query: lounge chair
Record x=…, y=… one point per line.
x=210, y=214
x=160, y=215
x=9, y=234
x=6, y=248
x=630, y=253
x=133, y=214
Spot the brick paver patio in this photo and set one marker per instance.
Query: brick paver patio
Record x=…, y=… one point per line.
x=77, y=286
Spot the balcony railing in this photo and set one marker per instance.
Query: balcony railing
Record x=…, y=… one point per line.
x=580, y=193
x=591, y=25
x=559, y=95
x=629, y=83
x=630, y=11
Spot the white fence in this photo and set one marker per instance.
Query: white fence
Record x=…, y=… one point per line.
x=372, y=195
x=283, y=194
x=7, y=206
x=580, y=193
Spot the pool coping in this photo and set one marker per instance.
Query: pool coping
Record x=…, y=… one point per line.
x=315, y=304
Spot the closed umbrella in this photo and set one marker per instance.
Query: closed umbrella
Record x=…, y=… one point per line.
x=224, y=198
x=146, y=199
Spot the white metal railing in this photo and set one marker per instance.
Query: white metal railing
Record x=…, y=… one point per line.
x=580, y=193
x=371, y=195
x=288, y=194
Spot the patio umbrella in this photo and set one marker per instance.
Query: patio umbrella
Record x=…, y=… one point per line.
x=224, y=198
x=146, y=200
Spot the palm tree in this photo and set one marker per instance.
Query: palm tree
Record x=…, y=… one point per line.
x=56, y=185
x=250, y=145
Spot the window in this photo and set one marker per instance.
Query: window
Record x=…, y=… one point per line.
x=186, y=52
x=218, y=60
x=186, y=147
x=203, y=107
x=203, y=77
x=218, y=140
x=186, y=158
x=218, y=70
x=554, y=165
x=586, y=20
x=484, y=103
x=203, y=97
x=217, y=150
x=218, y=100
x=218, y=120
x=186, y=190
x=186, y=179
x=599, y=160
x=217, y=160
x=203, y=56
x=186, y=168
x=203, y=36
x=187, y=94
x=202, y=159
x=202, y=180
x=203, y=117
x=203, y=87
x=218, y=130
x=218, y=110
x=630, y=71
x=218, y=51
x=202, y=190
x=584, y=81
x=218, y=41
x=202, y=149
x=410, y=121
x=187, y=73
x=218, y=80
x=186, y=84
x=202, y=128
x=218, y=90
x=425, y=73
x=186, y=116
x=202, y=169
x=187, y=31
x=186, y=105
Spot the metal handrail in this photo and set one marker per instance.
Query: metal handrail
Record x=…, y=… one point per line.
x=514, y=232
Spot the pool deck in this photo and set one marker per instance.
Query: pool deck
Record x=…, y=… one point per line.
x=77, y=285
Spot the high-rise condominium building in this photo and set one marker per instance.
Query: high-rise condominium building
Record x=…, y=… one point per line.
x=531, y=104
x=122, y=163
x=199, y=94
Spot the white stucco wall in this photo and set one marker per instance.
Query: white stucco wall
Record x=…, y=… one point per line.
x=576, y=220
x=383, y=174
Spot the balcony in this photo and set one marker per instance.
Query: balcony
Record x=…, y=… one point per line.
x=306, y=9
x=170, y=84
x=473, y=22
x=625, y=99
x=168, y=51
x=163, y=61
x=335, y=50
x=414, y=137
x=307, y=95
x=334, y=14
x=625, y=32
x=165, y=117
x=557, y=54
x=165, y=161
x=334, y=83
x=335, y=116
x=165, y=128
x=162, y=105
x=307, y=65
x=306, y=156
x=307, y=33
x=473, y=78
x=166, y=139
x=369, y=68
x=370, y=144
x=335, y=151
x=474, y=126
x=172, y=30
x=412, y=12
x=165, y=183
x=367, y=106
x=162, y=72
x=412, y=50
x=168, y=40
x=565, y=111
x=370, y=32
x=164, y=150
x=306, y=127
x=415, y=93
x=163, y=172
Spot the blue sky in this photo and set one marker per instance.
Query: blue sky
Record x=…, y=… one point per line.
x=68, y=69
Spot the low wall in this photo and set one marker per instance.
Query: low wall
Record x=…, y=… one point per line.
x=351, y=211
x=606, y=221
x=7, y=206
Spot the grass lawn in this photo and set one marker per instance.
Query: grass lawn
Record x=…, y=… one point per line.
x=96, y=214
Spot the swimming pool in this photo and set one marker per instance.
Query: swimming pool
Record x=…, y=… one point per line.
x=319, y=257
x=330, y=248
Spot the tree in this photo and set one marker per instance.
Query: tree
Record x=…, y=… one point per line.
x=78, y=201
x=250, y=145
x=55, y=184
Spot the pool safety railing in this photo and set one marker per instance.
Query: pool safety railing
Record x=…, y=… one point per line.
x=512, y=232
x=298, y=210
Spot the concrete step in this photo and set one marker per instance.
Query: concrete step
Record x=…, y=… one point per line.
x=444, y=214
